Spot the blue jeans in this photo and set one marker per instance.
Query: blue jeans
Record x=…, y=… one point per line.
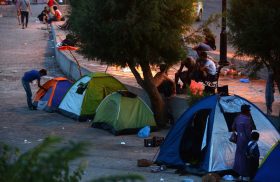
x=27, y=89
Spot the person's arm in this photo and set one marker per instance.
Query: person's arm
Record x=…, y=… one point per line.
x=181, y=67
x=56, y=2
x=40, y=86
x=29, y=7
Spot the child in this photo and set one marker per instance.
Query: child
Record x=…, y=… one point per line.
x=57, y=15
x=253, y=154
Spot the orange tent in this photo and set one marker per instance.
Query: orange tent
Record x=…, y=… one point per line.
x=65, y=48
x=50, y=97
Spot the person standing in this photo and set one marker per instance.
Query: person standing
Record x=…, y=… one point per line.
x=18, y=11
x=167, y=88
x=27, y=79
x=25, y=9
x=243, y=126
x=253, y=154
x=51, y=3
x=269, y=92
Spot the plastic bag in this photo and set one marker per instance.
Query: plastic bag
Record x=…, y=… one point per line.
x=144, y=132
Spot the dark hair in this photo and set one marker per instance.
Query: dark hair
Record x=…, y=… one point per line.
x=255, y=136
x=162, y=67
x=203, y=54
x=55, y=7
x=245, y=108
x=43, y=72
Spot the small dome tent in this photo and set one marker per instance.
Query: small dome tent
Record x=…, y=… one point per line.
x=269, y=169
x=85, y=95
x=201, y=135
x=49, y=98
x=128, y=114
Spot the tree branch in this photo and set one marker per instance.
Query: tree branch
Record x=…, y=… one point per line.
x=136, y=75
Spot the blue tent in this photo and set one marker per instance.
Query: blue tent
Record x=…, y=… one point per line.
x=201, y=135
x=270, y=168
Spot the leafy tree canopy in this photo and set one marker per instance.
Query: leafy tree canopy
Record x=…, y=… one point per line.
x=254, y=27
x=131, y=31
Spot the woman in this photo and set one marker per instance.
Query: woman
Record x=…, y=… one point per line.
x=243, y=126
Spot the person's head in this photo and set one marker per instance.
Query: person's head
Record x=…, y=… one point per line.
x=54, y=7
x=206, y=30
x=245, y=109
x=163, y=67
x=45, y=8
x=43, y=72
x=203, y=55
x=189, y=62
x=255, y=136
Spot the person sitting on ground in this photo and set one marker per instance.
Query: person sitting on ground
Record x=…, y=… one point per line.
x=57, y=16
x=253, y=154
x=43, y=16
x=165, y=85
x=185, y=76
x=27, y=79
x=206, y=68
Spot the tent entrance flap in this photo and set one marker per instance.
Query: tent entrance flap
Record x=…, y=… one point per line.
x=191, y=150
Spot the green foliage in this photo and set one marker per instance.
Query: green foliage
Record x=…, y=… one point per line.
x=46, y=162
x=254, y=27
x=137, y=31
x=124, y=178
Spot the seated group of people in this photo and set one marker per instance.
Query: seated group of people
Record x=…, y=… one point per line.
x=198, y=67
x=200, y=70
x=46, y=16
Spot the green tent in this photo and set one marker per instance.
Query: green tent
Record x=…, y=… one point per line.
x=123, y=112
x=82, y=99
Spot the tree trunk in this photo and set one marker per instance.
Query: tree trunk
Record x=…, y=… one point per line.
x=157, y=102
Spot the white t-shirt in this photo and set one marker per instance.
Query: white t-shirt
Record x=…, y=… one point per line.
x=211, y=67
